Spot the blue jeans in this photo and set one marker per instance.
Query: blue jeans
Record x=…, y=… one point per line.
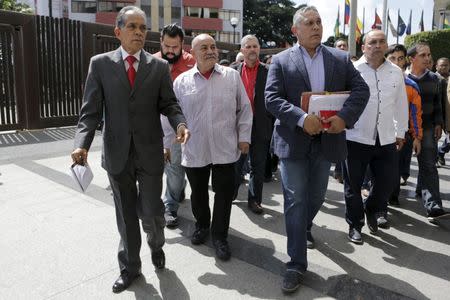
x=175, y=182
x=428, y=179
x=304, y=183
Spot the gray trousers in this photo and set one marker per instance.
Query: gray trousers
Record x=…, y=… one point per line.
x=134, y=202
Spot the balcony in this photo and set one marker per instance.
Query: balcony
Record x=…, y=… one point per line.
x=202, y=23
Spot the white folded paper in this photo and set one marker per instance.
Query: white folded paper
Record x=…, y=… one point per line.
x=82, y=175
x=333, y=102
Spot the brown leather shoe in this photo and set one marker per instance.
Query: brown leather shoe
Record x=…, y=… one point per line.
x=255, y=207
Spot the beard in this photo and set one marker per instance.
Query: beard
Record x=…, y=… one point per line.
x=172, y=60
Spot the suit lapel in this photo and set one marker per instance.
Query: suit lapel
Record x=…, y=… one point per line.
x=297, y=59
x=328, y=63
x=143, y=70
x=119, y=68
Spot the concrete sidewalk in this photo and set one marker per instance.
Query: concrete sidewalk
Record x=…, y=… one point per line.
x=57, y=243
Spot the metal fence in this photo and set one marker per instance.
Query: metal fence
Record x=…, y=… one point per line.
x=43, y=65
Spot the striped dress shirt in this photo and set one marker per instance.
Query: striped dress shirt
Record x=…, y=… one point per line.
x=218, y=115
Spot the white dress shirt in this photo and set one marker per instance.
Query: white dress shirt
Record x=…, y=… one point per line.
x=386, y=113
x=125, y=54
x=218, y=114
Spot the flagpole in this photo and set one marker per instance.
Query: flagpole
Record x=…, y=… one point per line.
x=387, y=28
x=352, y=29
x=398, y=24
x=344, y=18
x=384, y=23
x=364, y=20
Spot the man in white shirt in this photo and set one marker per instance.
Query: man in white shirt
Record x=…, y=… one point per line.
x=375, y=138
x=217, y=108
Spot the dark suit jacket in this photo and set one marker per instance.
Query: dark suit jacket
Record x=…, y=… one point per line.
x=130, y=114
x=262, y=127
x=288, y=79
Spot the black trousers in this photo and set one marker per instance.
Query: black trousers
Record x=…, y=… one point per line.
x=258, y=160
x=383, y=163
x=133, y=203
x=223, y=187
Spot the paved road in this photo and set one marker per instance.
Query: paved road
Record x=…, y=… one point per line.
x=57, y=243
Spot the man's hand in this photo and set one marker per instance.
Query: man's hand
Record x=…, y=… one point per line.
x=437, y=132
x=312, y=125
x=399, y=142
x=337, y=124
x=244, y=147
x=417, y=146
x=167, y=155
x=183, y=134
x=79, y=156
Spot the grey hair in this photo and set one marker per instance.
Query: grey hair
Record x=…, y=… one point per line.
x=122, y=16
x=247, y=38
x=300, y=14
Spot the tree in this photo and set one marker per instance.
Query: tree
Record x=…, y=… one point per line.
x=439, y=41
x=15, y=6
x=269, y=20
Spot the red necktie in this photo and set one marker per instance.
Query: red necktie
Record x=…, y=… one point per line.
x=131, y=71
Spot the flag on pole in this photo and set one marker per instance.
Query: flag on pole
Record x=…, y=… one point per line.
x=336, y=26
x=408, y=28
x=359, y=26
x=347, y=12
x=401, y=26
x=377, y=23
x=391, y=27
x=421, y=27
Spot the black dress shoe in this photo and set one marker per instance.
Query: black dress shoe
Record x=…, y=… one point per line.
x=354, y=235
x=222, y=250
x=159, y=259
x=200, y=235
x=124, y=281
x=291, y=281
x=255, y=207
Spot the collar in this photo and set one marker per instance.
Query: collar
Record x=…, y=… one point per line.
x=408, y=72
x=305, y=52
x=254, y=67
x=125, y=54
x=217, y=68
x=363, y=60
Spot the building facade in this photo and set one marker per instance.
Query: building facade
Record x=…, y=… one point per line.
x=213, y=17
x=195, y=16
x=441, y=13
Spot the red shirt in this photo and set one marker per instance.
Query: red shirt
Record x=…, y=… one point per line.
x=249, y=79
x=184, y=63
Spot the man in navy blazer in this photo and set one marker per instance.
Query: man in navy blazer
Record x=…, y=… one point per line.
x=305, y=149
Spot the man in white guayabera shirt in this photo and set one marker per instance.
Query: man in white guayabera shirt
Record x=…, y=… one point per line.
x=376, y=137
x=217, y=109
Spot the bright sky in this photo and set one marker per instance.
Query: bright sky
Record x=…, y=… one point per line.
x=328, y=12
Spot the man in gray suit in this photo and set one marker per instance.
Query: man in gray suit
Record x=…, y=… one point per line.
x=305, y=150
x=132, y=137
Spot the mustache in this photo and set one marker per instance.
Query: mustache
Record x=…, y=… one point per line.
x=211, y=56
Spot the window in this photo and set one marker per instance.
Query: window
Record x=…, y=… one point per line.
x=227, y=37
x=200, y=12
x=106, y=6
x=226, y=14
x=176, y=12
x=84, y=7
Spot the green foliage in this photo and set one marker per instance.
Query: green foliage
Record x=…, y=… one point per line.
x=439, y=41
x=15, y=6
x=269, y=20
